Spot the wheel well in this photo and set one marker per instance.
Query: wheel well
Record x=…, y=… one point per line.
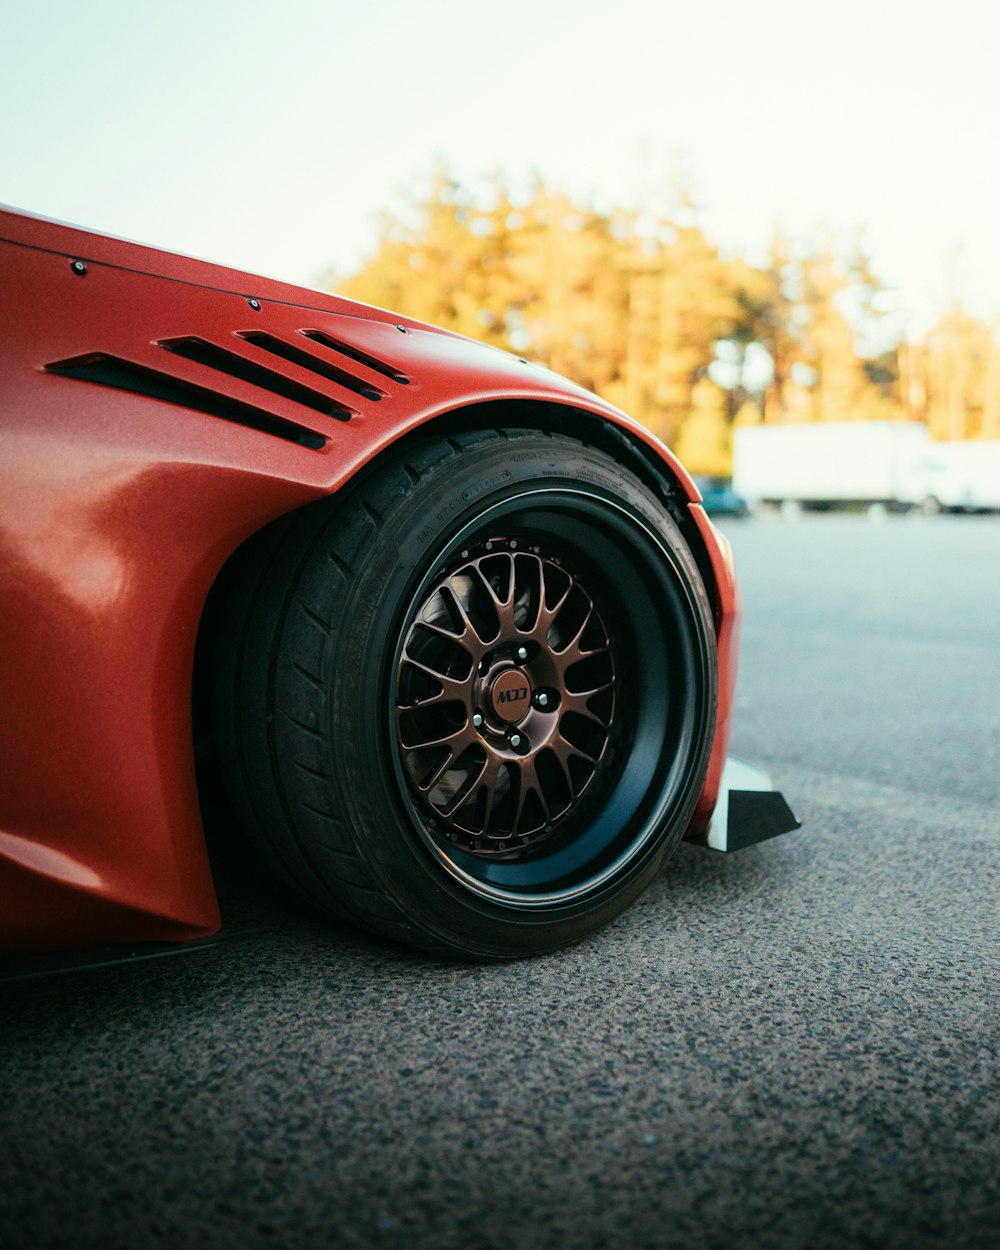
x=589, y=428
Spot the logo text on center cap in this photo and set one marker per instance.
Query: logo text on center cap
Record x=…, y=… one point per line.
x=510, y=695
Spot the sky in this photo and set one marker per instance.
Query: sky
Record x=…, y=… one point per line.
x=271, y=137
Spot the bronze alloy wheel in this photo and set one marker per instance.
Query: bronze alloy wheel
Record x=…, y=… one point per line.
x=549, y=696
x=505, y=699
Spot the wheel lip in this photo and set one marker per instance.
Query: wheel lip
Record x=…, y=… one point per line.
x=672, y=790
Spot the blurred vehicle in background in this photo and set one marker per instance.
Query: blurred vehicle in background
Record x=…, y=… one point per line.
x=965, y=476
x=886, y=464
x=719, y=499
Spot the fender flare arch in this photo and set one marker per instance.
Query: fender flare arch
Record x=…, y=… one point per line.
x=638, y=450
x=644, y=456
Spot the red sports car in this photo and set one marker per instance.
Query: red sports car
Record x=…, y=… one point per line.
x=460, y=634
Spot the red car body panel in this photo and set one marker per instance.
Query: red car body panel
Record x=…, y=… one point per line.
x=143, y=438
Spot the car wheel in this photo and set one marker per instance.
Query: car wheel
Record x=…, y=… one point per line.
x=469, y=702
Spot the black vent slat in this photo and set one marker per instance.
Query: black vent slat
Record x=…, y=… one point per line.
x=123, y=375
x=305, y=360
x=205, y=353
x=345, y=349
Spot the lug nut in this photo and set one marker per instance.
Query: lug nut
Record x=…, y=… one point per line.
x=477, y=720
x=515, y=740
x=522, y=653
x=542, y=699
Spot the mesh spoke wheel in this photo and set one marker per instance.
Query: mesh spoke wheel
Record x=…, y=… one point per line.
x=505, y=699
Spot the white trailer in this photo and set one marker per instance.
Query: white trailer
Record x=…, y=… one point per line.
x=965, y=475
x=833, y=463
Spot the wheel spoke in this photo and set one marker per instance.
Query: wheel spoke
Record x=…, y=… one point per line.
x=526, y=591
x=570, y=749
x=453, y=689
x=528, y=784
x=430, y=781
x=464, y=791
x=545, y=618
x=439, y=631
x=579, y=702
x=486, y=779
x=456, y=740
x=467, y=624
x=504, y=608
x=562, y=758
x=574, y=651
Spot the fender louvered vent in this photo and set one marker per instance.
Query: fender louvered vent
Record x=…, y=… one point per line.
x=306, y=360
x=123, y=375
x=204, y=353
x=355, y=353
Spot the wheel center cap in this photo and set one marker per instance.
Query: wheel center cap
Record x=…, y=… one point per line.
x=510, y=696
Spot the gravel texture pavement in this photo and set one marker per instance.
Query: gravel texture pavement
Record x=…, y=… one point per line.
x=795, y=1046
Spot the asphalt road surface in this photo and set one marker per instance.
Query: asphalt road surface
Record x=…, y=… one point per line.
x=795, y=1046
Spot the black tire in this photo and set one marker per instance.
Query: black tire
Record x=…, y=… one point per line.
x=344, y=661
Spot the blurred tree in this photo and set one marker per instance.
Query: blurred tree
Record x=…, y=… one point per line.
x=643, y=309
x=433, y=267
x=842, y=387
x=568, y=297
x=705, y=442
x=959, y=368
x=767, y=305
